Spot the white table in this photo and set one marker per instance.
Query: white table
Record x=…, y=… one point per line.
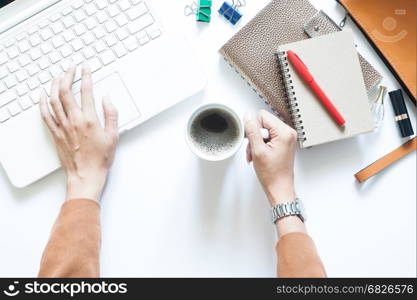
x=165, y=213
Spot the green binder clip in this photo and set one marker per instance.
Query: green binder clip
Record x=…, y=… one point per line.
x=202, y=10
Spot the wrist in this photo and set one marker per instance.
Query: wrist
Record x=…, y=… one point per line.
x=89, y=187
x=281, y=194
x=290, y=224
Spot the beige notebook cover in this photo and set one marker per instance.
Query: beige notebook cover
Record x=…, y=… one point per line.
x=251, y=51
x=333, y=61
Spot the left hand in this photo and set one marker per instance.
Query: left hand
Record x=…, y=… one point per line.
x=85, y=148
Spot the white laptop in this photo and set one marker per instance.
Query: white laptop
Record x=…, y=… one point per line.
x=143, y=64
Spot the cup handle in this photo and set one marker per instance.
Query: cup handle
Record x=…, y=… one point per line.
x=265, y=133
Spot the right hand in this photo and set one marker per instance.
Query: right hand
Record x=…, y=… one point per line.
x=273, y=160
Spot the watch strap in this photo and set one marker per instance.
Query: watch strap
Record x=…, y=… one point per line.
x=386, y=161
x=293, y=208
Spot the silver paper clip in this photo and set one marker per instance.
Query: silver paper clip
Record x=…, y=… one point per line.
x=200, y=10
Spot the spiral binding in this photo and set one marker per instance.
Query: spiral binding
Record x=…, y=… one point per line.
x=290, y=93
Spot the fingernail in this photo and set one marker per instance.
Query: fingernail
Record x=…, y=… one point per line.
x=247, y=117
x=86, y=67
x=106, y=100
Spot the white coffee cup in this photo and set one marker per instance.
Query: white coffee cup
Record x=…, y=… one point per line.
x=215, y=132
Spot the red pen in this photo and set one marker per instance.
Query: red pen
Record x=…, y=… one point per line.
x=303, y=71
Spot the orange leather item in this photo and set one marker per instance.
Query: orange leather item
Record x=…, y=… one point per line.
x=391, y=27
x=387, y=160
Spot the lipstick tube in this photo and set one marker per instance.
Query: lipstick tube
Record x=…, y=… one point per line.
x=401, y=114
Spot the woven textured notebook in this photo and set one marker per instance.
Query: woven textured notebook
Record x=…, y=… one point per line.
x=251, y=52
x=333, y=62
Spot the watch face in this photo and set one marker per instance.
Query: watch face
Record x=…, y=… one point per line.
x=302, y=210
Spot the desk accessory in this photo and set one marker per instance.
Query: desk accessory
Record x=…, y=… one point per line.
x=202, y=10
x=230, y=11
x=334, y=63
x=401, y=114
x=251, y=52
x=386, y=161
x=390, y=27
x=305, y=74
x=378, y=107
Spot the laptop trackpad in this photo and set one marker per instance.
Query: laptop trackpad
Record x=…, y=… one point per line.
x=114, y=87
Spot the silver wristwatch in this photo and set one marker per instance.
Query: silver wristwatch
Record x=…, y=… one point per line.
x=294, y=208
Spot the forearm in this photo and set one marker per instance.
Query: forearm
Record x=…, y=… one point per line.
x=74, y=245
x=297, y=254
x=290, y=224
x=86, y=150
x=298, y=257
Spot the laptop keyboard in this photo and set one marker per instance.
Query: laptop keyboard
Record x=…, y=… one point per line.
x=98, y=32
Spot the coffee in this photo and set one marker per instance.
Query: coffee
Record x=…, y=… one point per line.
x=215, y=133
x=214, y=123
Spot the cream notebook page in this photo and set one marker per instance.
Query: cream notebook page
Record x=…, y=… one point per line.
x=333, y=61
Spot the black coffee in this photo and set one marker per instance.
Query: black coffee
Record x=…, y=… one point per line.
x=214, y=123
x=215, y=132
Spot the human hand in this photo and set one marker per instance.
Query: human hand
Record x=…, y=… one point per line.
x=273, y=160
x=86, y=149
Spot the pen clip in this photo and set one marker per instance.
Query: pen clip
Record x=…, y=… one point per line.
x=299, y=59
x=305, y=72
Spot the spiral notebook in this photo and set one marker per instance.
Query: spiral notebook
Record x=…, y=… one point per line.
x=251, y=51
x=333, y=61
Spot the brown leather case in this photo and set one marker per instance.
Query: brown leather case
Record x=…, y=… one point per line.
x=390, y=26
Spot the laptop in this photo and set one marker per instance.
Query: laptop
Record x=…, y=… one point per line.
x=142, y=63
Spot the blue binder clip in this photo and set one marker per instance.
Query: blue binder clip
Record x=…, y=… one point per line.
x=230, y=12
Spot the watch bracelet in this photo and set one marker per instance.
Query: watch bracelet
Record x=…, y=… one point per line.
x=287, y=209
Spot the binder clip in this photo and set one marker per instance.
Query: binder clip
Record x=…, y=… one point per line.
x=202, y=10
x=230, y=12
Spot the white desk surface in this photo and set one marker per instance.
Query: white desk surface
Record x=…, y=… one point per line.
x=165, y=213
